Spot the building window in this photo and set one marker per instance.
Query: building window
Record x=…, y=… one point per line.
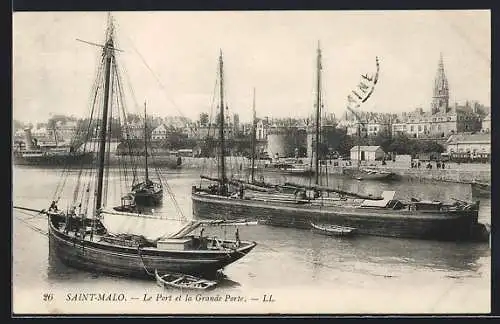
x=411, y=128
x=419, y=128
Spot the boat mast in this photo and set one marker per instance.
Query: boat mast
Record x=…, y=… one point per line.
x=55, y=134
x=318, y=114
x=222, y=167
x=254, y=124
x=146, y=141
x=359, y=144
x=108, y=57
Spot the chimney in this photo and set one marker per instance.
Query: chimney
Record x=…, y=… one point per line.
x=28, y=139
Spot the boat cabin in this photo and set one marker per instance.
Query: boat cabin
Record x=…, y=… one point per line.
x=426, y=205
x=180, y=244
x=192, y=243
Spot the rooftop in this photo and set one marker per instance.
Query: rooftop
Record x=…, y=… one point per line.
x=366, y=148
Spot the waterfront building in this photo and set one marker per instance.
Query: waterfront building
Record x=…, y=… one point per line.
x=486, y=124
x=472, y=145
x=134, y=130
x=159, y=133
x=378, y=124
x=261, y=129
x=443, y=119
x=65, y=131
x=367, y=153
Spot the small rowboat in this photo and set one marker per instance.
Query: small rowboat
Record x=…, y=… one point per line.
x=183, y=281
x=334, y=230
x=480, y=189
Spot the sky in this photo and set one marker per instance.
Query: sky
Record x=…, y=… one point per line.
x=171, y=59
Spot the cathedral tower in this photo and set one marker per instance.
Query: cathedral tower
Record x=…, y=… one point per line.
x=440, y=96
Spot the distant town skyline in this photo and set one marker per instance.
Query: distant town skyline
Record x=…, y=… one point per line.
x=273, y=51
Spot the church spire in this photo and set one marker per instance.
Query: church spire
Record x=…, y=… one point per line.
x=440, y=97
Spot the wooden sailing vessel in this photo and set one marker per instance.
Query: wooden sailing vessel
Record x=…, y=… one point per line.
x=90, y=235
x=147, y=192
x=381, y=216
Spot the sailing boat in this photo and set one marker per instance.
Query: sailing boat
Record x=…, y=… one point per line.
x=147, y=192
x=368, y=215
x=90, y=235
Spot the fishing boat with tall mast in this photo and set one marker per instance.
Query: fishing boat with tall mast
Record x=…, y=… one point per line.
x=368, y=215
x=90, y=234
x=147, y=192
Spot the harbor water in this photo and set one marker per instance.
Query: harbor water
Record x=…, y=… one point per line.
x=290, y=271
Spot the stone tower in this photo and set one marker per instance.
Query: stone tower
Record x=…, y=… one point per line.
x=440, y=96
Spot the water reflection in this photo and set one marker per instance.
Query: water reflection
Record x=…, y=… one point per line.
x=283, y=256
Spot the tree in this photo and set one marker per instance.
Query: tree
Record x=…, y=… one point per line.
x=401, y=144
x=203, y=119
x=433, y=146
x=346, y=143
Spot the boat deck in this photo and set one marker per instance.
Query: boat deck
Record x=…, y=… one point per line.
x=194, y=243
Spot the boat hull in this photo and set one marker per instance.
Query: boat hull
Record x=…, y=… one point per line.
x=54, y=159
x=130, y=261
x=481, y=190
x=379, y=176
x=87, y=160
x=379, y=222
x=148, y=198
x=342, y=232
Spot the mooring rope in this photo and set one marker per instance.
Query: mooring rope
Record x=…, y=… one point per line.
x=142, y=261
x=32, y=227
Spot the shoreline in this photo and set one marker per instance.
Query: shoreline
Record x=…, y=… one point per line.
x=454, y=172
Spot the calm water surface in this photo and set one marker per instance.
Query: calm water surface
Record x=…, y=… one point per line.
x=305, y=272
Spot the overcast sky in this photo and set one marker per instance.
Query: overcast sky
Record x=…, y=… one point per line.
x=273, y=51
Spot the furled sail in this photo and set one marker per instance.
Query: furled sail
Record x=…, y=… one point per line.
x=152, y=227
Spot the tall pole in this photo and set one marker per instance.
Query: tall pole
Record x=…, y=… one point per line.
x=318, y=114
x=221, y=129
x=254, y=124
x=146, y=141
x=108, y=56
x=359, y=143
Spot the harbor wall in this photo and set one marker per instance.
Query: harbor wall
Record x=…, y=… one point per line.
x=447, y=175
x=453, y=172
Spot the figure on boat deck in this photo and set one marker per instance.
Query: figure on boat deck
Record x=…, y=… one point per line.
x=53, y=206
x=237, y=237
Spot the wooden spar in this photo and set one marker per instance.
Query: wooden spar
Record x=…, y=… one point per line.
x=254, y=124
x=318, y=114
x=322, y=188
x=222, y=167
x=146, y=141
x=239, y=182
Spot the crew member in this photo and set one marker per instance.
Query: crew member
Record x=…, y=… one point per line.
x=237, y=236
x=53, y=206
